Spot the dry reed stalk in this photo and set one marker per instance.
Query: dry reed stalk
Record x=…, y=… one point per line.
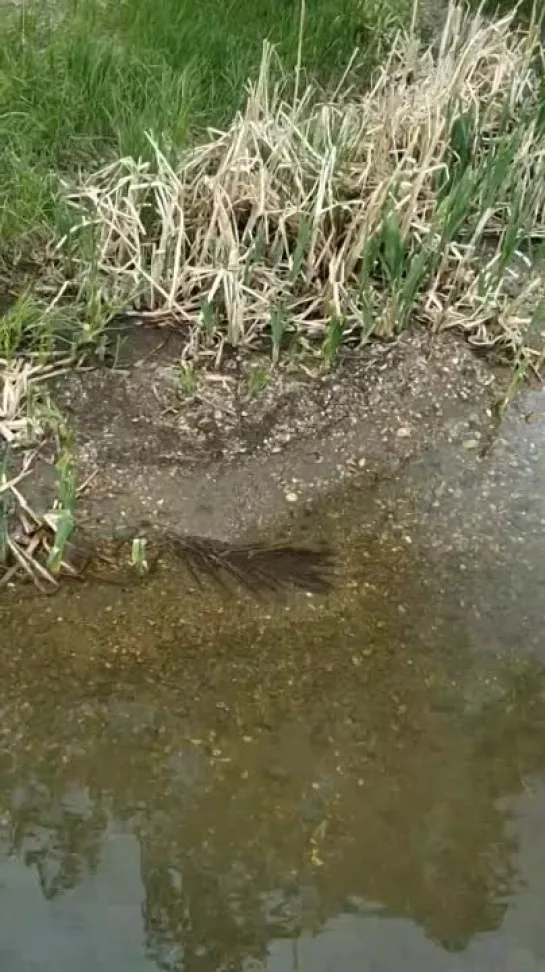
x=279, y=212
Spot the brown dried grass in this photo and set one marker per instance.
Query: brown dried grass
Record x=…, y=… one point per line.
x=276, y=214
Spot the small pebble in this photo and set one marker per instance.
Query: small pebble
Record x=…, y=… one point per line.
x=292, y=497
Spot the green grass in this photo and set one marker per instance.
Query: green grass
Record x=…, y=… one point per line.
x=83, y=80
x=311, y=218
x=65, y=520
x=29, y=327
x=334, y=221
x=374, y=208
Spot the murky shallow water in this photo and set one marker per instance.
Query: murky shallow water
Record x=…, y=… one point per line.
x=356, y=783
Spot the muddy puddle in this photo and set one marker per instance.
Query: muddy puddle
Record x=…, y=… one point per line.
x=191, y=781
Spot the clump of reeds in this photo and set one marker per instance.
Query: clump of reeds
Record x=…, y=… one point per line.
x=33, y=350
x=34, y=546
x=41, y=549
x=339, y=218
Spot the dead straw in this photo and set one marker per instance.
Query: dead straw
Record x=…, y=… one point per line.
x=355, y=208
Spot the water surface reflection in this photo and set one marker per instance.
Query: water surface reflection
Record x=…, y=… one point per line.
x=197, y=784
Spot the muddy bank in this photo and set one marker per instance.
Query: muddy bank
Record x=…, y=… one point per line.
x=231, y=457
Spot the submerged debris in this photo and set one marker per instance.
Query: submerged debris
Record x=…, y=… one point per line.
x=260, y=568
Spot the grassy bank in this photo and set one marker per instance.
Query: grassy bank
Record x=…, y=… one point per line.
x=343, y=196
x=325, y=219
x=83, y=81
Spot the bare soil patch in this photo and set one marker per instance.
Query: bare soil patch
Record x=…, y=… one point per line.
x=225, y=462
